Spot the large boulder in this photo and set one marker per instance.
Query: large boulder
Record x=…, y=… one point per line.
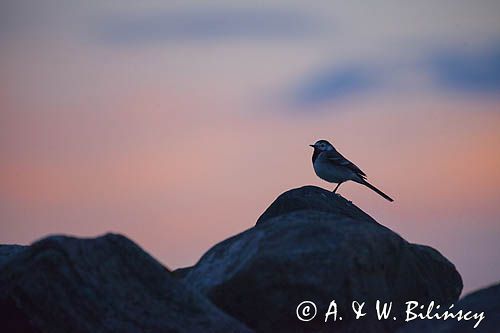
x=316, y=199
x=7, y=252
x=107, y=284
x=313, y=245
x=486, y=301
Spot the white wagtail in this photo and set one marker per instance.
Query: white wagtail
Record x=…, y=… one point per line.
x=331, y=166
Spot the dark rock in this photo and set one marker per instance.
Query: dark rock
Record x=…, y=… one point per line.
x=313, y=198
x=180, y=273
x=313, y=245
x=107, y=284
x=7, y=252
x=486, y=300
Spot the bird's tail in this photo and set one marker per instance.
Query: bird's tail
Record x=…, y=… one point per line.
x=385, y=196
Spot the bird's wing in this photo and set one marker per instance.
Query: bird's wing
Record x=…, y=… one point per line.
x=336, y=158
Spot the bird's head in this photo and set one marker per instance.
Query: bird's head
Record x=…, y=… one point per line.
x=322, y=145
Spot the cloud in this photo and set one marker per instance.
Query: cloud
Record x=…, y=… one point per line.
x=474, y=71
x=204, y=24
x=335, y=84
x=466, y=70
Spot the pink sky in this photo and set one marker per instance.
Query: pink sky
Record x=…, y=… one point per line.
x=183, y=141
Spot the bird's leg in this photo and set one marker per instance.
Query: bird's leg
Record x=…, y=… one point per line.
x=335, y=190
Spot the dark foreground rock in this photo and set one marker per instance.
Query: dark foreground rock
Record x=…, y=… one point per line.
x=313, y=245
x=107, y=284
x=8, y=251
x=486, y=300
x=316, y=199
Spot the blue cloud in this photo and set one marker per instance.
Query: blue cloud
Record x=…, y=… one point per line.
x=332, y=85
x=460, y=70
x=467, y=72
x=204, y=24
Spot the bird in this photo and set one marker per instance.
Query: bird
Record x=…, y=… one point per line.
x=332, y=166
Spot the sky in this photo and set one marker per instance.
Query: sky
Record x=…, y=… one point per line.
x=177, y=124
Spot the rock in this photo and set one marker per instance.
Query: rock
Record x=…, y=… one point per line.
x=181, y=272
x=313, y=198
x=9, y=251
x=107, y=284
x=313, y=245
x=486, y=300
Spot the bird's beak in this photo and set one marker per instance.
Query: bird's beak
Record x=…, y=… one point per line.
x=312, y=146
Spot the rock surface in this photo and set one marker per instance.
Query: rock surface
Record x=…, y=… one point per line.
x=8, y=251
x=107, y=284
x=313, y=245
x=316, y=199
x=486, y=300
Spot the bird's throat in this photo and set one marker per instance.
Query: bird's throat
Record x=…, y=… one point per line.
x=315, y=154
